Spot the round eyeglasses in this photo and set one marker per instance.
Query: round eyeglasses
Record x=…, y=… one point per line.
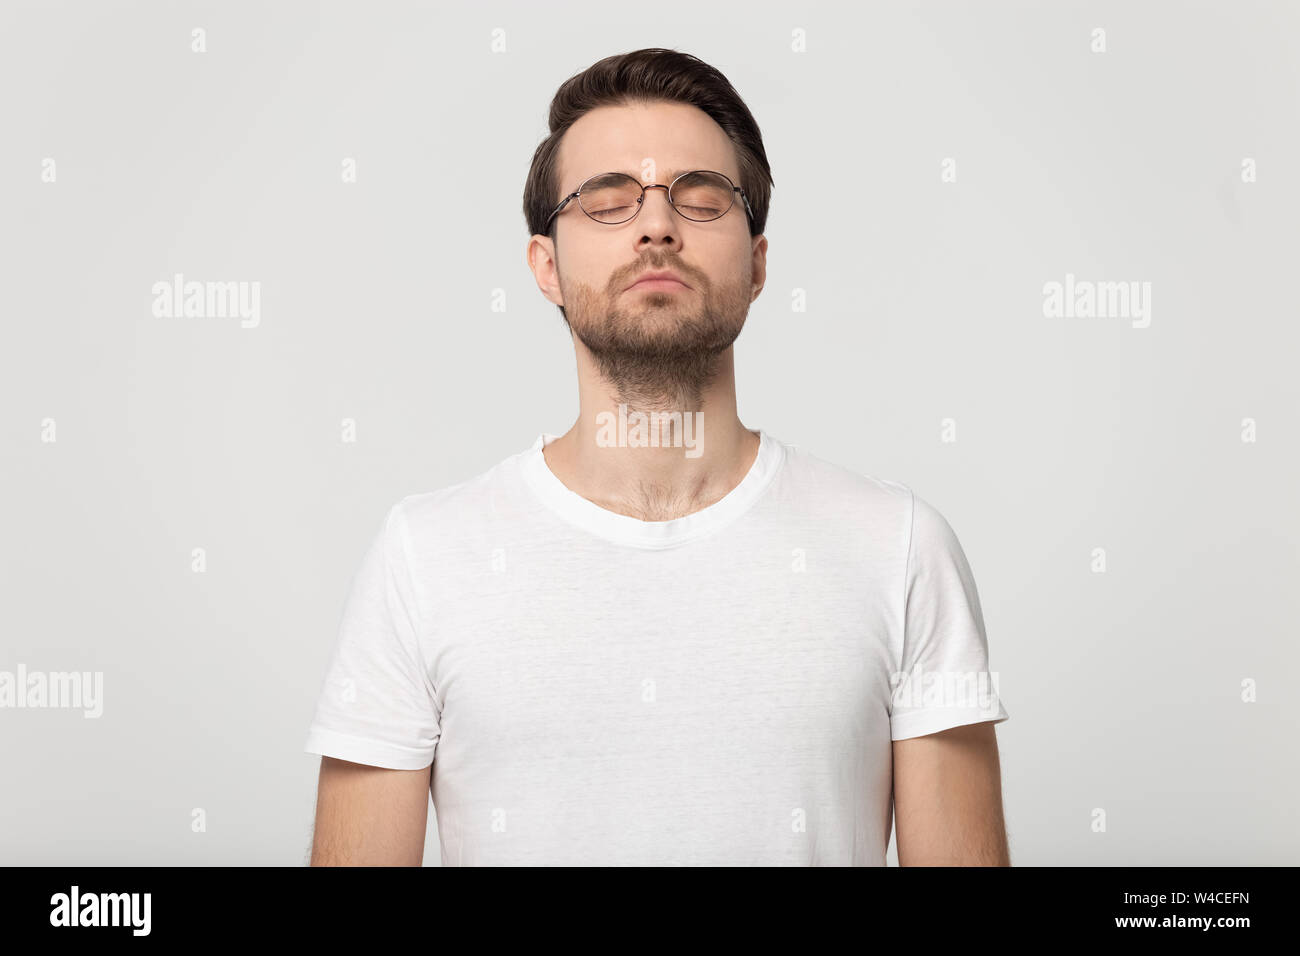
x=700, y=195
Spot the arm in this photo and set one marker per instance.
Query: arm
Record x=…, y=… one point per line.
x=370, y=816
x=948, y=799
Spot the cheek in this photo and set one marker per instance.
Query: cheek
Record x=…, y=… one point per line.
x=733, y=262
x=590, y=266
x=736, y=247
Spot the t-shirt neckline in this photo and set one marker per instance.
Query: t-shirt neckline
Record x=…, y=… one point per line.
x=633, y=532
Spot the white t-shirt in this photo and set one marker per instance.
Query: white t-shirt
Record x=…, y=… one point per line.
x=593, y=689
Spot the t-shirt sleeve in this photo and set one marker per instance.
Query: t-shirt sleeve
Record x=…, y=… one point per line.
x=378, y=705
x=944, y=679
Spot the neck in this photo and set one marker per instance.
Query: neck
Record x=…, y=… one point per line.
x=651, y=458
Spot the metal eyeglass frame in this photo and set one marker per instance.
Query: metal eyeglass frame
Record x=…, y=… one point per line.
x=641, y=199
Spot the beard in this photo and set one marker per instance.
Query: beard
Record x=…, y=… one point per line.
x=658, y=351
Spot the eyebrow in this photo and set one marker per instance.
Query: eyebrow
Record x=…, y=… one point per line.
x=671, y=174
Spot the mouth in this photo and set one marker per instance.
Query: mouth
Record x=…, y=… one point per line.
x=657, y=281
x=657, y=285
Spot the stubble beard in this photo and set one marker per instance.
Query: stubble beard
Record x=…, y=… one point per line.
x=658, y=351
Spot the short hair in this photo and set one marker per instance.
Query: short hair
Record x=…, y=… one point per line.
x=645, y=76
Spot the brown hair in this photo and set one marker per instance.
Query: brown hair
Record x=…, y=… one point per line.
x=645, y=76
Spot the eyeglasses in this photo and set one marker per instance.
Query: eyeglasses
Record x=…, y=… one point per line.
x=613, y=198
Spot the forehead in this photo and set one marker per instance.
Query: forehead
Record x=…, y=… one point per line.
x=674, y=137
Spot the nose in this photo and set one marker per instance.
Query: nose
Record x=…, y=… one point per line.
x=656, y=214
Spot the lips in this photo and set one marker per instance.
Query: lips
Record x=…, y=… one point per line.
x=657, y=274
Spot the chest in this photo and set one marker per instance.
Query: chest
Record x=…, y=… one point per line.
x=729, y=664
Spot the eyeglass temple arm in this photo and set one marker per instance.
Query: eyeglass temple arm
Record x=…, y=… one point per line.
x=748, y=211
x=556, y=211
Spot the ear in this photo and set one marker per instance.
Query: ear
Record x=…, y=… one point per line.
x=539, y=255
x=759, y=252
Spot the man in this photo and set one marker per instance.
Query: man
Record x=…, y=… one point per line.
x=661, y=638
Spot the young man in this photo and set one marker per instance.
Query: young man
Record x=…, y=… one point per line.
x=661, y=638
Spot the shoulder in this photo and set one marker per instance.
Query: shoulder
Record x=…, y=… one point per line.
x=849, y=492
x=454, y=510
x=879, y=505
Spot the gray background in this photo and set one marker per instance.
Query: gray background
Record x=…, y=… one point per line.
x=924, y=301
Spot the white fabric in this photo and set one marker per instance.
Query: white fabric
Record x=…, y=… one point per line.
x=596, y=689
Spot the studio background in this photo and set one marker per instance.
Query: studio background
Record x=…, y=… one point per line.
x=904, y=308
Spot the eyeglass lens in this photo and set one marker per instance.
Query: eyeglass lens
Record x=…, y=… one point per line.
x=699, y=196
